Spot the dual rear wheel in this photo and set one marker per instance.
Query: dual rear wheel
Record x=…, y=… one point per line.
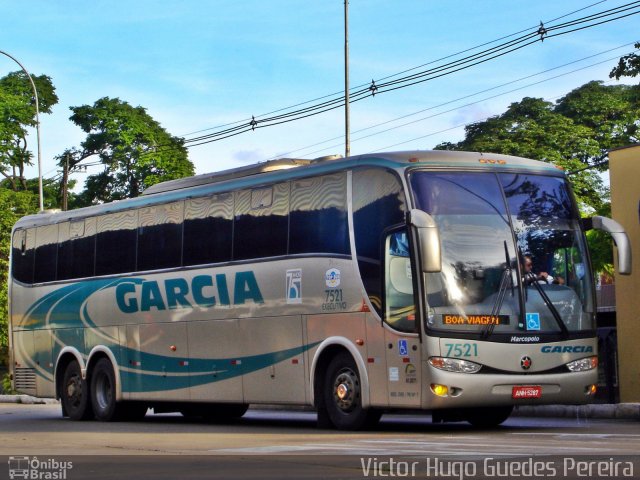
x=96, y=398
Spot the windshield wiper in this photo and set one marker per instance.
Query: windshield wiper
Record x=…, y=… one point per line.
x=502, y=289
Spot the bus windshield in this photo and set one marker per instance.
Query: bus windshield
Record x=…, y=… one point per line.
x=513, y=256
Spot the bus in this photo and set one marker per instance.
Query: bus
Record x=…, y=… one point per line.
x=356, y=286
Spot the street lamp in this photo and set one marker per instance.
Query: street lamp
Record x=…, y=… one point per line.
x=35, y=92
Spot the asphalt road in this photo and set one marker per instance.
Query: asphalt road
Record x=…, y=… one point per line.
x=268, y=442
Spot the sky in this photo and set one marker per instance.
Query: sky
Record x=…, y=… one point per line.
x=195, y=65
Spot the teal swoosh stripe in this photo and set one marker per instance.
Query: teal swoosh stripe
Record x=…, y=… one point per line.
x=144, y=382
x=67, y=313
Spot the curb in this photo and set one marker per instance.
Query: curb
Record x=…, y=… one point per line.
x=617, y=411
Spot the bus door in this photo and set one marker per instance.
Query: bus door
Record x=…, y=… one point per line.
x=403, y=352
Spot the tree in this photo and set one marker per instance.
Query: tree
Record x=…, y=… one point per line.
x=135, y=150
x=628, y=66
x=17, y=113
x=13, y=205
x=612, y=113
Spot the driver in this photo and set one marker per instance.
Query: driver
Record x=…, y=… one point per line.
x=530, y=276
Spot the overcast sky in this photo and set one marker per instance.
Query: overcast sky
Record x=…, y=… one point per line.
x=195, y=65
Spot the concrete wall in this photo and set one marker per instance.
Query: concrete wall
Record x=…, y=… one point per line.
x=624, y=167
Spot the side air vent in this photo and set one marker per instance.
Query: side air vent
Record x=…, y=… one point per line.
x=25, y=380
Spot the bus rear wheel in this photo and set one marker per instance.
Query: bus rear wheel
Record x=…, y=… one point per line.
x=103, y=396
x=343, y=395
x=489, y=417
x=74, y=394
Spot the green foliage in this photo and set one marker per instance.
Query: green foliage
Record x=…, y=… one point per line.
x=17, y=113
x=575, y=133
x=628, y=66
x=136, y=151
x=13, y=205
x=6, y=385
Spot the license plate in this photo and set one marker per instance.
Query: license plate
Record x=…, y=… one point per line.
x=529, y=391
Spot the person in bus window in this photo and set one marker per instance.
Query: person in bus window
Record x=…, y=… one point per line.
x=530, y=276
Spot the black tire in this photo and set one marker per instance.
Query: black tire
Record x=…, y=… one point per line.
x=343, y=395
x=489, y=417
x=74, y=394
x=103, y=393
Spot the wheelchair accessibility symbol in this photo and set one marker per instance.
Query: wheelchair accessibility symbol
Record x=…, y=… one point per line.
x=533, y=321
x=402, y=347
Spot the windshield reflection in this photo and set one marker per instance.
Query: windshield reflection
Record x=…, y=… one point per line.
x=490, y=226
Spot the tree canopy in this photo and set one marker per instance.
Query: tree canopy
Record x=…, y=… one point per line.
x=628, y=65
x=134, y=149
x=17, y=114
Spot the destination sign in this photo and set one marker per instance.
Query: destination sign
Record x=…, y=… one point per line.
x=475, y=319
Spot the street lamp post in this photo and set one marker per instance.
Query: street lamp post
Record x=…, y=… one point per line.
x=347, y=140
x=35, y=92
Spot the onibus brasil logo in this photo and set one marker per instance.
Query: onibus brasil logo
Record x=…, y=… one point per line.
x=33, y=468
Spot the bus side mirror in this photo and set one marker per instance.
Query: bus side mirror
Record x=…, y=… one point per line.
x=619, y=236
x=428, y=240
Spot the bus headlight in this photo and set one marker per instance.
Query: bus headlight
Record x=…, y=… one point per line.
x=454, y=365
x=583, y=364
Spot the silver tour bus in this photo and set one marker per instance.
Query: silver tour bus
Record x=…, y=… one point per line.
x=457, y=283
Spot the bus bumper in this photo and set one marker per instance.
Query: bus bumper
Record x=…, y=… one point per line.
x=476, y=390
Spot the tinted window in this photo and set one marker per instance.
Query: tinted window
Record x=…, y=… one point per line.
x=208, y=229
x=160, y=236
x=46, y=254
x=76, y=241
x=116, y=243
x=318, y=218
x=261, y=222
x=22, y=255
x=378, y=203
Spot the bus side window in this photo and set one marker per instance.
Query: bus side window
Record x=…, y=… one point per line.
x=261, y=222
x=399, y=298
x=116, y=243
x=318, y=219
x=160, y=236
x=378, y=203
x=46, y=254
x=22, y=255
x=208, y=229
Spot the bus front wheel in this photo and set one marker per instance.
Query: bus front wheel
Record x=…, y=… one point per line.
x=343, y=395
x=74, y=394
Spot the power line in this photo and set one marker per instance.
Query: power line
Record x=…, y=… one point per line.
x=530, y=38
x=462, y=98
x=395, y=74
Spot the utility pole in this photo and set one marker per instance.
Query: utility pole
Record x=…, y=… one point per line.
x=347, y=141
